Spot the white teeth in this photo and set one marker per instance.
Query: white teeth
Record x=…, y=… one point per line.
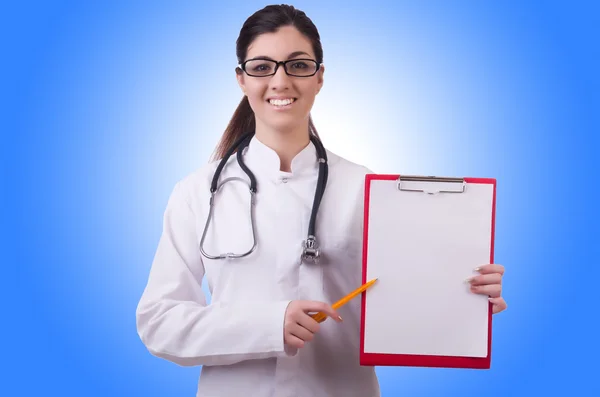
x=281, y=102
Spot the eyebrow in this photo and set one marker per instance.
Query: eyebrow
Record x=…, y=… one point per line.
x=292, y=55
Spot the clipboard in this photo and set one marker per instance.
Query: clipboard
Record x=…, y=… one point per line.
x=423, y=237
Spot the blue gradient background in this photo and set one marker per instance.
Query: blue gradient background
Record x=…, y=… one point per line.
x=106, y=106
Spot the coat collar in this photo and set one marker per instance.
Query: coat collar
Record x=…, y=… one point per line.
x=260, y=156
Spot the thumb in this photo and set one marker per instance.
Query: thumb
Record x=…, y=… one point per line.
x=315, y=306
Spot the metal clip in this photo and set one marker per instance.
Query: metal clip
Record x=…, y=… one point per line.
x=416, y=183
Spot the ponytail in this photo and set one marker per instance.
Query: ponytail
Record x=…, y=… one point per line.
x=242, y=122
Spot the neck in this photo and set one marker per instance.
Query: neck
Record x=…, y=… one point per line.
x=287, y=144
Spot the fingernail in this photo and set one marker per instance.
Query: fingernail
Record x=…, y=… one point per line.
x=478, y=268
x=340, y=317
x=469, y=280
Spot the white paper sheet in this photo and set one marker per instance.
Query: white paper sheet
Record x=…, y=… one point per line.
x=422, y=248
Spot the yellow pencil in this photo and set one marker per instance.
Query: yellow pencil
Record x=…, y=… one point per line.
x=320, y=316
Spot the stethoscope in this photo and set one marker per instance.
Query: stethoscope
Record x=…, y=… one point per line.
x=310, y=251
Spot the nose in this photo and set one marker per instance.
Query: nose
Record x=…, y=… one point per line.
x=280, y=80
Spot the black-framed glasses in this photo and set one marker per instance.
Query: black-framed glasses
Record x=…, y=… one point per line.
x=294, y=67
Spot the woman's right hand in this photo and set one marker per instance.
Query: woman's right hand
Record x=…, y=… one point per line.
x=299, y=327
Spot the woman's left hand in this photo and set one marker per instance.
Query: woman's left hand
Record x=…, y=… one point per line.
x=489, y=282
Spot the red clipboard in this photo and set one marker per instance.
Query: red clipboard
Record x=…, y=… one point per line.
x=376, y=358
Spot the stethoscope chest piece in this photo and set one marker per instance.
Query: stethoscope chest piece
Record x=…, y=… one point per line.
x=310, y=250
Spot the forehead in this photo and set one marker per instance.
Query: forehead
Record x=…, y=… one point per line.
x=279, y=44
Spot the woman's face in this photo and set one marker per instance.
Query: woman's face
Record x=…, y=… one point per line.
x=280, y=102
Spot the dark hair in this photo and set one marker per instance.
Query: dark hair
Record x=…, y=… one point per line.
x=267, y=20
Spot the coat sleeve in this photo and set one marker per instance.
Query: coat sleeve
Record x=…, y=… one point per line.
x=173, y=319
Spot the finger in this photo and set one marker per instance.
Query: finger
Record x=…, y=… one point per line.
x=490, y=268
x=499, y=304
x=494, y=278
x=301, y=333
x=310, y=323
x=315, y=306
x=493, y=290
x=294, y=341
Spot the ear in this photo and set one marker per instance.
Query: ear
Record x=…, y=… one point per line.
x=320, y=78
x=239, y=75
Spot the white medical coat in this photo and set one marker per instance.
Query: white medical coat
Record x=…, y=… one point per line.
x=238, y=338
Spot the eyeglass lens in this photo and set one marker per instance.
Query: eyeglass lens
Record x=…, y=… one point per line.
x=295, y=67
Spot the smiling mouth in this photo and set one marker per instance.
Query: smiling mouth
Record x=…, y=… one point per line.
x=280, y=103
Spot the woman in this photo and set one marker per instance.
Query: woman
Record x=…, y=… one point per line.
x=256, y=337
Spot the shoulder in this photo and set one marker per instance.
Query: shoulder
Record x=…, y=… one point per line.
x=347, y=169
x=194, y=187
x=347, y=180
